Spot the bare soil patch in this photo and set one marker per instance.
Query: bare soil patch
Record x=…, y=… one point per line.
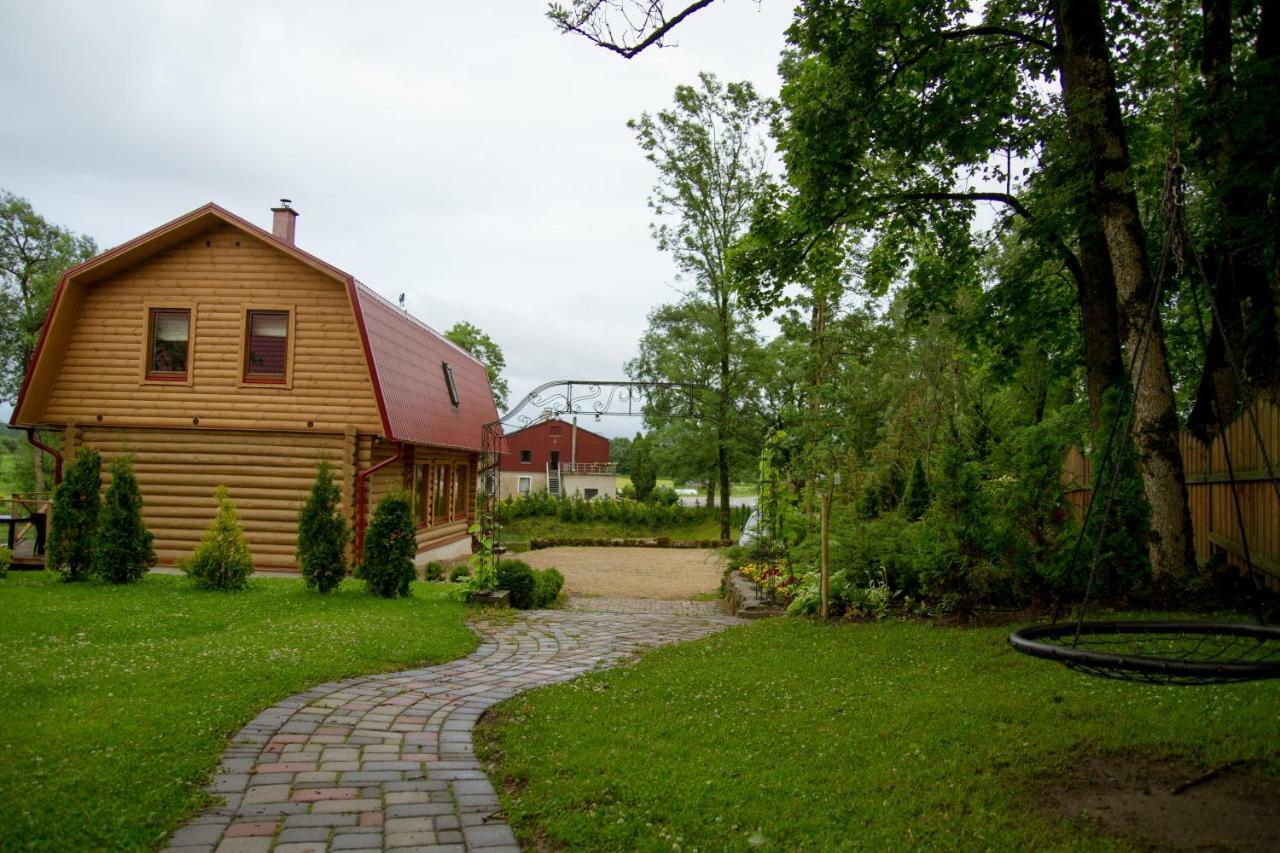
x=670, y=573
x=1134, y=798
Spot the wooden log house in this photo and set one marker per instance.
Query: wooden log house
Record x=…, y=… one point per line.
x=215, y=352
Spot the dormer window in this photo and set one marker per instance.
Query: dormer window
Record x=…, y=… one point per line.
x=168, y=344
x=449, y=383
x=267, y=346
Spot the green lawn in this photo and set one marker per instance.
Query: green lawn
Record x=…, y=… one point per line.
x=118, y=701
x=788, y=734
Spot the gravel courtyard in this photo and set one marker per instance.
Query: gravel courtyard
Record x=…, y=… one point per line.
x=670, y=573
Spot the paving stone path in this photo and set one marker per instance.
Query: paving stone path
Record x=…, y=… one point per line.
x=385, y=762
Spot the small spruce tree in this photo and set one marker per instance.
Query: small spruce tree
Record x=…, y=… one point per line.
x=221, y=560
x=122, y=545
x=322, y=534
x=915, y=503
x=389, y=547
x=76, y=501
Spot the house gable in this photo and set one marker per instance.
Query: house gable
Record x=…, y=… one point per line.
x=219, y=272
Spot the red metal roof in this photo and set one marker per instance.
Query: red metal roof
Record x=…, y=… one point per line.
x=407, y=357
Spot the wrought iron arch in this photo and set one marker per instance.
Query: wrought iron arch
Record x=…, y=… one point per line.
x=593, y=398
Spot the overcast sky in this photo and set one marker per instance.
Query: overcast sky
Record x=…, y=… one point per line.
x=463, y=153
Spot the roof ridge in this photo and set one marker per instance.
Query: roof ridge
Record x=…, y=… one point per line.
x=422, y=325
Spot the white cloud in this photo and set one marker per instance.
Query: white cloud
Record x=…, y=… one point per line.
x=462, y=153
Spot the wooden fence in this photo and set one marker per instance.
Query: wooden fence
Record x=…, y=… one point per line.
x=1213, y=510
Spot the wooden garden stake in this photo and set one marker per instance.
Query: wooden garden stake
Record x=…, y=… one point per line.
x=826, y=540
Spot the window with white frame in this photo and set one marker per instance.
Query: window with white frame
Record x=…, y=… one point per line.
x=524, y=485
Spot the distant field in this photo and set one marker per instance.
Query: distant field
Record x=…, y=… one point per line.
x=735, y=489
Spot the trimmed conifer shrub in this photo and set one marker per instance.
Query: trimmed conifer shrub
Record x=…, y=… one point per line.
x=221, y=560
x=389, y=547
x=547, y=586
x=76, y=502
x=322, y=534
x=122, y=545
x=435, y=571
x=918, y=497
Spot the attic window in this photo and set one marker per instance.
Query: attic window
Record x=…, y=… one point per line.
x=448, y=380
x=266, y=346
x=168, y=344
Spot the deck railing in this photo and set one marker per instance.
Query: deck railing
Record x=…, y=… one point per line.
x=588, y=468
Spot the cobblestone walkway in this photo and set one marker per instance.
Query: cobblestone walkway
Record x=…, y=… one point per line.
x=386, y=762
x=650, y=606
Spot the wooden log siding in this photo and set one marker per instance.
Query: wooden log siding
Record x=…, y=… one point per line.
x=1213, y=510
x=220, y=272
x=268, y=476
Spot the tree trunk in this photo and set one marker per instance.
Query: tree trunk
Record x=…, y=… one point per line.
x=1099, y=320
x=711, y=492
x=1244, y=346
x=722, y=459
x=1092, y=102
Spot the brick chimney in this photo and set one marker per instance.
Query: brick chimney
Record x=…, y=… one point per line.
x=285, y=221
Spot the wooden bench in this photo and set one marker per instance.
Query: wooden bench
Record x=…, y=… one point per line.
x=37, y=520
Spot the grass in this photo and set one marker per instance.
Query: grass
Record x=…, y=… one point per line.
x=792, y=734
x=118, y=701
x=540, y=527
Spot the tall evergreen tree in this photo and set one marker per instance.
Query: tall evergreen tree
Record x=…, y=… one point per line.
x=322, y=534
x=76, y=502
x=389, y=548
x=122, y=546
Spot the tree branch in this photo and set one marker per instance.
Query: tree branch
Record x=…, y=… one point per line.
x=601, y=35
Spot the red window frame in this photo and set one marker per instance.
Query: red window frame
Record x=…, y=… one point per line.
x=153, y=375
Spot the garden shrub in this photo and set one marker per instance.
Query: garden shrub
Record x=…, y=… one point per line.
x=664, y=496
x=529, y=588
x=915, y=503
x=76, y=502
x=547, y=585
x=5, y=557
x=122, y=545
x=460, y=573
x=389, y=547
x=435, y=571
x=221, y=560
x=516, y=577
x=322, y=534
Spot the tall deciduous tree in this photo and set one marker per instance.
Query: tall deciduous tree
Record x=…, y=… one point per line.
x=473, y=340
x=712, y=159
x=33, y=254
x=1093, y=105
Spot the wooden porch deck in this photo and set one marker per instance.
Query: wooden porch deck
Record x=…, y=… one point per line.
x=24, y=556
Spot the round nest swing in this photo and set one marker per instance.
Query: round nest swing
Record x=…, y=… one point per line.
x=1158, y=652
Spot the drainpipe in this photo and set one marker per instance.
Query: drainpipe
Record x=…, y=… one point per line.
x=362, y=497
x=573, y=452
x=57, y=457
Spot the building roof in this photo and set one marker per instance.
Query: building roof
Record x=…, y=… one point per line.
x=544, y=421
x=408, y=357
x=403, y=355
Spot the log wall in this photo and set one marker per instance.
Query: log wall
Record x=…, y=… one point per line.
x=220, y=272
x=268, y=476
